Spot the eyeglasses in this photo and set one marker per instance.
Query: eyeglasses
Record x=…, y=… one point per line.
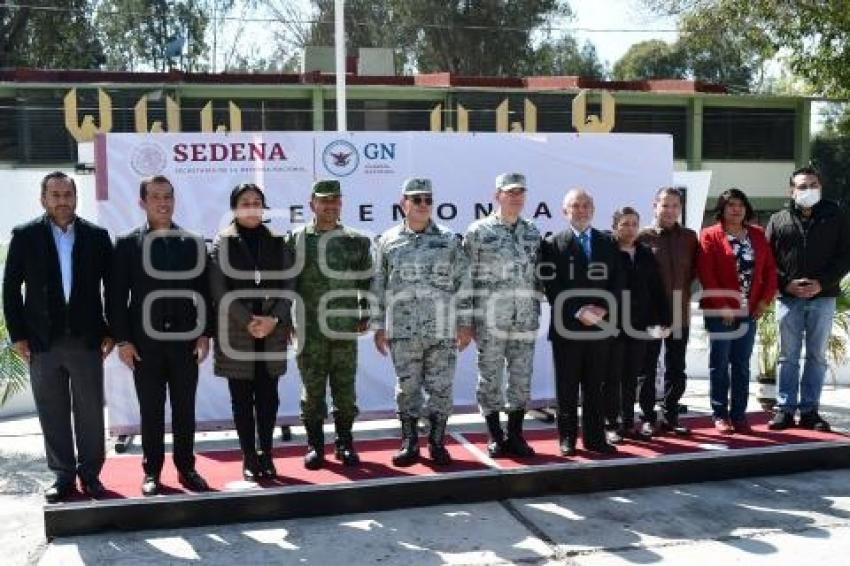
x=428, y=201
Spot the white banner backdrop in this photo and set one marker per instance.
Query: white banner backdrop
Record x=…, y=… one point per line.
x=618, y=169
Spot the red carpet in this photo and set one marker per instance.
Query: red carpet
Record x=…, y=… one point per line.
x=122, y=475
x=703, y=438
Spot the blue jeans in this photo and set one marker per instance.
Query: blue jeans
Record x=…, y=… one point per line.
x=727, y=352
x=799, y=319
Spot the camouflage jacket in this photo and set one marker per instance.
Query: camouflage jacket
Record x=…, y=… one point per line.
x=422, y=283
x=337, y=261
x=503, y=266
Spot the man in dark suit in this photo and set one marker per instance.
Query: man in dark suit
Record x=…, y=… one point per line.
x=58, y=326
x=582, y=278
x=159, y=317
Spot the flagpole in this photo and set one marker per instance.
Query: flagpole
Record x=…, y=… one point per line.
x=339, y=47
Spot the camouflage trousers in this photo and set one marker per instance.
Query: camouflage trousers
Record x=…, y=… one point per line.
x=423, y=363
x=495, y=356
x=324, y=362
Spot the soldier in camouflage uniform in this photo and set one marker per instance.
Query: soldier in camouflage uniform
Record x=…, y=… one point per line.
x=502, y=249
x=336, y=259
x=423, y=316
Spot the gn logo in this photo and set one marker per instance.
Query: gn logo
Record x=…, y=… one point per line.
x=341, y=158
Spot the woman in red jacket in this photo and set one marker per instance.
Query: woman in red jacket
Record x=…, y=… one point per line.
x=738, y=276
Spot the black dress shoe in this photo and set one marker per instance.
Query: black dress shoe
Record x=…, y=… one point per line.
x=193, y=481
x=673, y=426
x=813, y=421
x=781, y=420
x=251, y=467
x=58, y=491
x=150, y=486
x=568, y=447
x=93, y=488
x=601, y=448
x=266, y=466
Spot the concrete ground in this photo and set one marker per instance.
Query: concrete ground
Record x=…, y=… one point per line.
x=797, y=519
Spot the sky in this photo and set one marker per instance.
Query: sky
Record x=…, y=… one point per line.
x=618, y=15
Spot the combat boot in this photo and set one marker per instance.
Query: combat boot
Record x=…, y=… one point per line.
x=315, y=456
x=344, y=445
x=496, y=447
x=409, y=451
x=515, y=443
x=439, y=455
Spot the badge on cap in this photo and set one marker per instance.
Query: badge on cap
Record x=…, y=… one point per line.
x=326, y=188
x=416, y=186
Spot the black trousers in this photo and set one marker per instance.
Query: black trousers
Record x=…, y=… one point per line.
x=620, y=390
x=675, y=379
x=255, y=402
x=580, y=364
x=67, y=382
x=171, y=367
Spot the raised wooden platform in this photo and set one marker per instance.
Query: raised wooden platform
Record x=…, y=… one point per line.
x=378, y=485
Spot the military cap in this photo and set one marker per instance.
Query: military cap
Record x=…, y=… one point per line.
x=508, y=181
x=416, y=186
x=326, y=188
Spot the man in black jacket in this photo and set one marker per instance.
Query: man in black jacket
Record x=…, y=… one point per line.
x=811, y=243
x=57, y=325
x=581, y=271
x=159, y=317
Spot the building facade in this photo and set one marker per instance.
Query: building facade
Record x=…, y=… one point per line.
x=747, y=141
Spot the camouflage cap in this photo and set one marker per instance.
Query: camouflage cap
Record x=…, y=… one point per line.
x=508, y=181
x=416, y=186
x=326, y=188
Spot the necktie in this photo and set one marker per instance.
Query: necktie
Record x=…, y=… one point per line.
x=584, y=240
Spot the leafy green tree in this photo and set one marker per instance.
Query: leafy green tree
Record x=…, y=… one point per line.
x=40, y=34
x=653, y=59
x=831, y=154
x=144, y=34
x=815, y=34
x=564, y=57
x=491, y=38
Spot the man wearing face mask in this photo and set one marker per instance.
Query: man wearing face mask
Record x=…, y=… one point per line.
x=811, y=243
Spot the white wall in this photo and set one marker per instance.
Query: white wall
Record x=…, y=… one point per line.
x=25, y=185
x=756, y=178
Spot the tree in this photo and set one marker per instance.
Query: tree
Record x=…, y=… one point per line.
x=41, y=35
x=563, y=57
x=814, y=34
x=150, y=34
x=724, y=48
x=831, y=154
x=653, y=59
x=492, y=38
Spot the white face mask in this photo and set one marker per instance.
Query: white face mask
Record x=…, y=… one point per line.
x=807, y=198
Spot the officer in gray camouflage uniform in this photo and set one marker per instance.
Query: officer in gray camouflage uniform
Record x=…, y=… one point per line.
x=502, y=249
x=422, y=316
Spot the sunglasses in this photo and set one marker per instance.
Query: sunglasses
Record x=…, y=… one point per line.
x=428, y=201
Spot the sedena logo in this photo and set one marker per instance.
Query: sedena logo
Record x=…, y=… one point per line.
x=148, y=159
x=340, y=158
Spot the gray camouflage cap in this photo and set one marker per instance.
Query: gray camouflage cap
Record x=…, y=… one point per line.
x=416, y=186
x=508, y=181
